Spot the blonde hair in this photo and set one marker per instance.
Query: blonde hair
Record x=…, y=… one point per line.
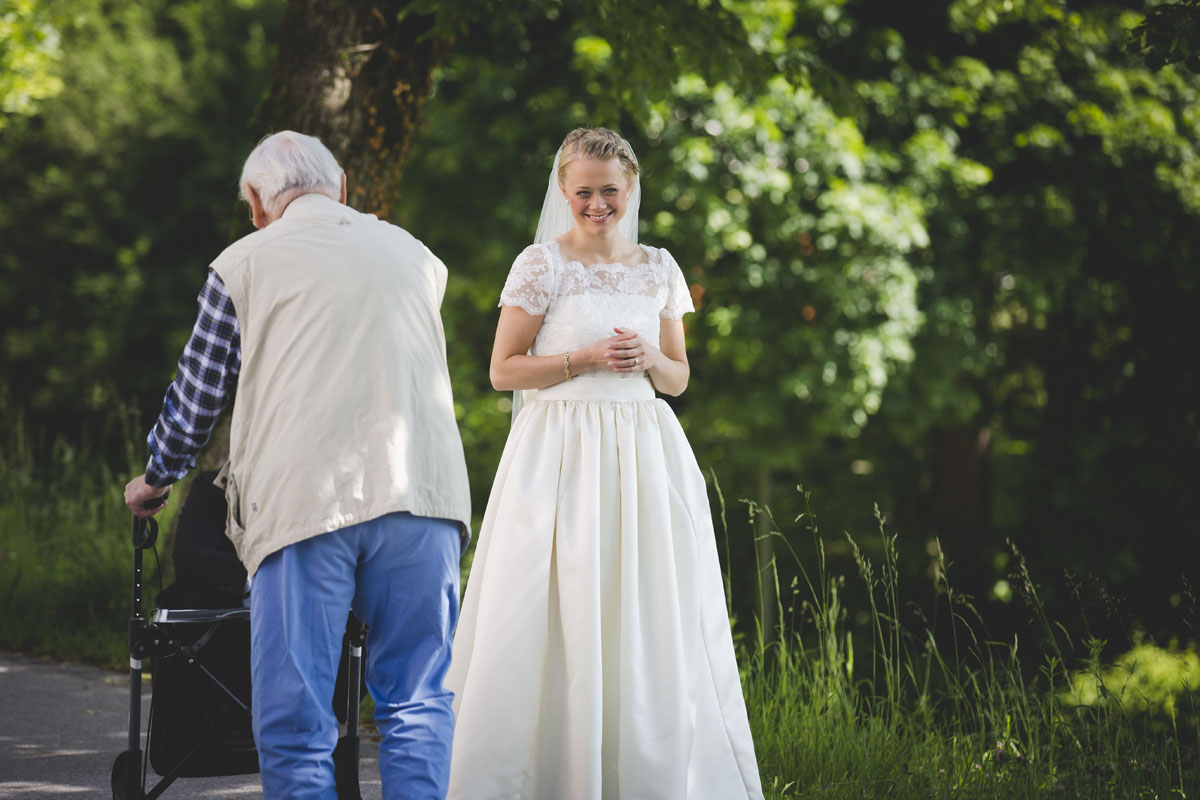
x=598, y=143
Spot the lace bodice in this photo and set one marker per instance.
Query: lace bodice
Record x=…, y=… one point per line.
x=584, y=303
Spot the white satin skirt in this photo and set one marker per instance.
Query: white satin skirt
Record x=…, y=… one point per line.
x=593, y=658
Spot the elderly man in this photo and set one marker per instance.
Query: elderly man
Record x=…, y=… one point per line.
x=346, y=481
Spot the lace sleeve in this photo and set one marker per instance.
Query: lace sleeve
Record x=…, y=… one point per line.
x=530, y=284
x=679, y=299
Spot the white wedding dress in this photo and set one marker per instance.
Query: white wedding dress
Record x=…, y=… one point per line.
x=593, y=658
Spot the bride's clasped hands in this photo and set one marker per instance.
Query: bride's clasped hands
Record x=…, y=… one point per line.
x=624, y=352
x=629, y=352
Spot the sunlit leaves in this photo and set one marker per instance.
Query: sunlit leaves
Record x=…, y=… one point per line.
x=810, y=297
x=976, y=128
x=1148, y=678
x=982, y=16
x=30, y=47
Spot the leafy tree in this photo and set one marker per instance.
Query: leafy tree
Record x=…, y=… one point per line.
x=172, y=89
x=358, y=73
x=1169, y=34
x=936, y=249
x=914, y=279
x=768, y=199
x=117, y=194
x=29, y=49
x=1043, y=403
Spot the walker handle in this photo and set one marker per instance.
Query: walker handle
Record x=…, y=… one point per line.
x=145, y=532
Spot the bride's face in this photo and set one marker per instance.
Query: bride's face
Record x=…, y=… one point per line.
x=597, y=192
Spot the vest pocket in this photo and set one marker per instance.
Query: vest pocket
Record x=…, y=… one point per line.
x=234, y=529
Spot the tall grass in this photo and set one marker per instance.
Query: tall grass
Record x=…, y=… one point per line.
x=919, y=714
x=66, y=556
x=925, y=709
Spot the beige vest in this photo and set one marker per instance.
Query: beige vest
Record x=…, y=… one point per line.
x=343, y=410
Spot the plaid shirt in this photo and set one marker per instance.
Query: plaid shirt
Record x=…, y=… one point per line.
x=206, y=379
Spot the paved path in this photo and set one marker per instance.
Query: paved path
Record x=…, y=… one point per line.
x=61, y=726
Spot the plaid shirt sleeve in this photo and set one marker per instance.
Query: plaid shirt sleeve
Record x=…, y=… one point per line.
x=206, y=379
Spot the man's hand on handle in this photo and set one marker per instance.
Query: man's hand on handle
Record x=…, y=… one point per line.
x=143, y=499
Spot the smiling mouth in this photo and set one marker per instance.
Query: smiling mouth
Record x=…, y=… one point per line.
x=599, y=217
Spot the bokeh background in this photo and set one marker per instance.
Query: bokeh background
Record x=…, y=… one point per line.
x=944, y=256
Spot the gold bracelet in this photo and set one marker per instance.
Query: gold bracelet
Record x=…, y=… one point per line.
x=567, y=366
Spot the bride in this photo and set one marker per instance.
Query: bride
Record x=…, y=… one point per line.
x=593, y=657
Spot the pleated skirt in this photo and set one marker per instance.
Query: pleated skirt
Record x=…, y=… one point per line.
x=593, y=658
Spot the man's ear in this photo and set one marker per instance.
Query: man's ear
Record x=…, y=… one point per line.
x=258, y=214
x=342, y=199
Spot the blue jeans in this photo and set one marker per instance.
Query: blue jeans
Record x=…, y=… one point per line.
x=400, y=575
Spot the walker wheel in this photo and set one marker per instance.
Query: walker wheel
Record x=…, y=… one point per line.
x=122, y=763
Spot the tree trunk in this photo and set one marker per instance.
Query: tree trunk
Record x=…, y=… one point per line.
x=354, y=75
x=962, y=502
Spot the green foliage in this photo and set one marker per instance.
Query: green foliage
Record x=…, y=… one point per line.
x=979, y=227
x=66, y=561
x=1147, y=678
x=881, y=702
x=119, y=190
x=29, y=48
x=904, y=227
x=1169, y=34
x=693, y=37
x=1055, y=176
x=900, y=221
x=1040, y=144
x=792, y=246
x=770, y=200
x=887, y=698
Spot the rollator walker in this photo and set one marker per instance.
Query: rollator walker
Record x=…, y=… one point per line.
x=199, y=724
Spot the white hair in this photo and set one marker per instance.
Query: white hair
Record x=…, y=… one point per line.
x=286, y=162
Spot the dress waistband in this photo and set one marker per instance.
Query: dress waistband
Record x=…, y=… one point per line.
x=606, y=390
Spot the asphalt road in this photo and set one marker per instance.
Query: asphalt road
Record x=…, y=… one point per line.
x=62, y=725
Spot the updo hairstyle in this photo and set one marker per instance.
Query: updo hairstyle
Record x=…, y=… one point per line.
x=598, y=143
